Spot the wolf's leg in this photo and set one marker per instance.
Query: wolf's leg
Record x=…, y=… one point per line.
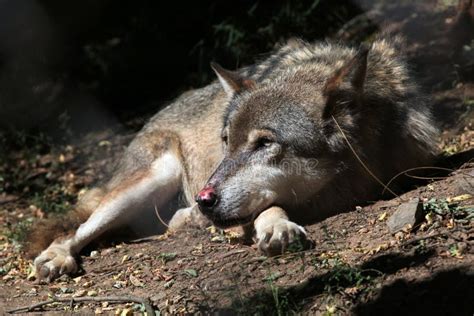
x=156, y=184
x=275, y=232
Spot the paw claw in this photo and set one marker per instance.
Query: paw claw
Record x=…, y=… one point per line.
x=54, y=262
x=267, y=237
x=278, y=237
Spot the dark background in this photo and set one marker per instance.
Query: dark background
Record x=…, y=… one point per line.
x=74, y=66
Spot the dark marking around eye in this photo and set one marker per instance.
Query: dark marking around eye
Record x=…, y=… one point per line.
x=263, y=142
x=224, y=136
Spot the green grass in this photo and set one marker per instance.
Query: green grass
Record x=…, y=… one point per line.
x=281, y=299
x=273, y=300
x=343, y=275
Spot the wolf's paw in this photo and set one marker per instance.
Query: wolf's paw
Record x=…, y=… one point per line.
x=281, y=236
x=54, y=262
x=186, y=218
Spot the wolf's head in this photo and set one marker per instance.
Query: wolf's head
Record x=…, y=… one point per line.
x=280, y=140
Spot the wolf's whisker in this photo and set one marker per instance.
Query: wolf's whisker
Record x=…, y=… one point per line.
x=413, y=169
x=361, y=162
x=159, y=217
x=296, y=196
x=424, y=178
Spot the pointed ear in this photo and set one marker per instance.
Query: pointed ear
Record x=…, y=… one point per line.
x=231, y=81
x=355, y=71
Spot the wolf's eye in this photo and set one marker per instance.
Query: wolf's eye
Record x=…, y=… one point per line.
x=225, y=139
x=263, y=142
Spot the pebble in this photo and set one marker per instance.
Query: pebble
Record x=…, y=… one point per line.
x=158, y=297
x=79, y=293
x=462, y=247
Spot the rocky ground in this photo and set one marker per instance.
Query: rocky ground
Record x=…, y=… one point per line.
x=360, y=263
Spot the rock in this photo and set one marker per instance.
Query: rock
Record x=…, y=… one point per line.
x=408, y=214
x=464, y=183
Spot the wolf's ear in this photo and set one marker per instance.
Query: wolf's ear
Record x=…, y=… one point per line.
x=231, y=81
x=355, y=71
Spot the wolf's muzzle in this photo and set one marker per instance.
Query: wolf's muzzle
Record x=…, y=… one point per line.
x=207, y=199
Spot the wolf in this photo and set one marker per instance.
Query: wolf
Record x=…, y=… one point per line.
x=308, y=132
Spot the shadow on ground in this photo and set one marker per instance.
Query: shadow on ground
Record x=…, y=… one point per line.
x=447, y=292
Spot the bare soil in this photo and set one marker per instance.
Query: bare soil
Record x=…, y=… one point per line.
x=355, y=267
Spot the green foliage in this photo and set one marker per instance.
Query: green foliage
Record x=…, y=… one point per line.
x=191, y=272
x=280, y=298
x=343, y=276
x=298, y=245
x=54, y=199
x=444, y=208
x=469, y=102
x=454, y=250
x=274, y=301
x=22, y=149
x=148, y=47
x=256, y=29
x=18, y=232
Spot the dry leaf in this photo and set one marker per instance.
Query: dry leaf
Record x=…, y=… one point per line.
x=459, y=198
x=79, y=293
x=92, y=293
x=135, y=281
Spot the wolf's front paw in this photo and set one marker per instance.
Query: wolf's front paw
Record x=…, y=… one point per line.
x=53, y=262
x=186, y=218
x=277, y=237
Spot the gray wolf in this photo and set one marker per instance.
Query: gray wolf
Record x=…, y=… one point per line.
x=265, y=147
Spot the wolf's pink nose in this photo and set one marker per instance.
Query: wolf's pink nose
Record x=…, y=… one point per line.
x=206, y=198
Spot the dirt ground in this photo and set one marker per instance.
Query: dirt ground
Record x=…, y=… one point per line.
x=356, y=265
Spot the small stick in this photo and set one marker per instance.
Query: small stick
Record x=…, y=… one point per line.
x=114, y=299
x=446, y=234
x=417, y=239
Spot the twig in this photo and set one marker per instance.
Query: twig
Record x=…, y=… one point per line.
x=231, y=253
x=113, y=299
x=147, y=239
x=445, y=233
x=417, y=239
